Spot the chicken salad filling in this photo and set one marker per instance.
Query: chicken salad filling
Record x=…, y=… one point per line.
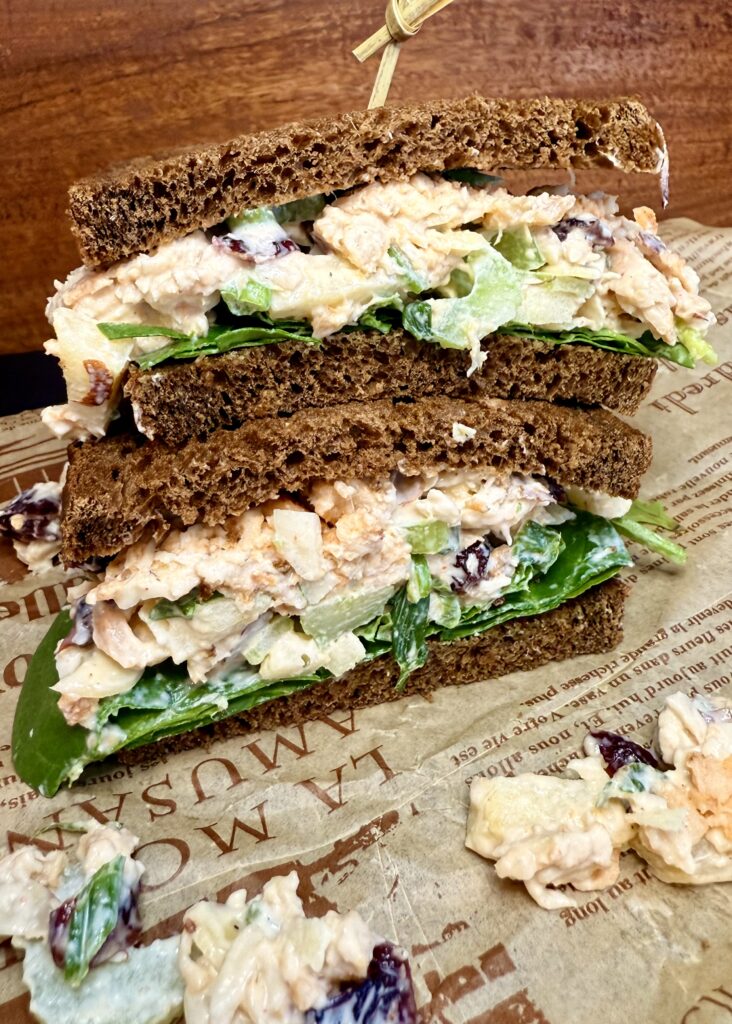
x=287, y=588
x=674, y=809
x=256, y=961
x=209, y=622
x=449, y=261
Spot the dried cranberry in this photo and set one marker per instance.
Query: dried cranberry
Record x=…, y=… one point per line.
x=596, y=231
x=556, y=490
x=32, y=515
x=472, y=565
x=617, y=751
x=82, y=628
x=58, y=930
x=100, y=383
x=266, y=251
x=385, y=996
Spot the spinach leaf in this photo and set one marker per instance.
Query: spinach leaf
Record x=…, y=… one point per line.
x=115, y=332
x=94, y=913
x=408, y=631
x=592, y=553
x=611, y=341
x=260, y=330
x=215, y=342
x=469, y=176
x=46, y=750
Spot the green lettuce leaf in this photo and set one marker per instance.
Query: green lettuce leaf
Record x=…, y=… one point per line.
x=519, y=248
x=636, y=524
x=457, y=323
x=93, y=919
x=696, y=344
x=414, y=282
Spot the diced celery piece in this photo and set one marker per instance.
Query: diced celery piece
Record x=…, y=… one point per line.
x=433, y=538
x=339, y=615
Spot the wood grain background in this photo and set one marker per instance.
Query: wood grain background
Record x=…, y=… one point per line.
x=86, y=83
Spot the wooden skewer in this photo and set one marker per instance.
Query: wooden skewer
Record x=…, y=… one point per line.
x=403, y=18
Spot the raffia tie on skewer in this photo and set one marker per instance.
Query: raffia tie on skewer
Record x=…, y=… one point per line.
x=403, y=18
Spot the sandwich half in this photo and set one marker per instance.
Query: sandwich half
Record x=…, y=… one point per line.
x=374, y=255
x=331, y=559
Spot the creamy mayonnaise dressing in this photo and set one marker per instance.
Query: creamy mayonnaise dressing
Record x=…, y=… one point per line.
x=624, y=277
x=260, y=961
x=263, y=961
x=548, y=831
x=137, y=986
x=284, y=565
x=33, y=524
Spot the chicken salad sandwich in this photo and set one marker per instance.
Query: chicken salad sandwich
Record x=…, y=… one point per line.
x=308, y=470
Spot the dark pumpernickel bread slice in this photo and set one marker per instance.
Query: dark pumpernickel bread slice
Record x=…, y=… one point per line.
x=193, y=399
x=136, y=207
x=589, y=624
x=120, y=488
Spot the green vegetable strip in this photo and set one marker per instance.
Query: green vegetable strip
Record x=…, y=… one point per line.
x=93, y=919
x=636, y=524
x=649, y=539
x=420, y=580
x=408, y=632
x=183, y=608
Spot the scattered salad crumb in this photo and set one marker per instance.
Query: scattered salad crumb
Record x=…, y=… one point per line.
x=461, y=432
x=674, y=809
x=258, y=961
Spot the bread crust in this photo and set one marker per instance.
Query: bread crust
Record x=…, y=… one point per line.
x=136, y=207
x=181, y=400
x=589, y=624
x=119, y=489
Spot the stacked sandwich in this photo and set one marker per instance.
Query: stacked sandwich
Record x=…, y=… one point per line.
x=335, y=402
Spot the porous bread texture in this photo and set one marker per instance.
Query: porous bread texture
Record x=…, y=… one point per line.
x=193, y=399
x=137, y=207
x=121, y=488
x=589, y=624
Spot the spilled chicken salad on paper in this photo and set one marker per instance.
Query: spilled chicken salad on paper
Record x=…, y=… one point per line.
x=452, y=259
x=246, y=961
x=673, y=807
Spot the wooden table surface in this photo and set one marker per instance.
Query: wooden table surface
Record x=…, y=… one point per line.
x=91, y=82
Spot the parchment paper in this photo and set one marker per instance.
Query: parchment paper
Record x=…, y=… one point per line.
x=370, y=808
